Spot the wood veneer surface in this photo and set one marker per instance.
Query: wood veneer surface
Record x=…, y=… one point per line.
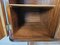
x=1, y=30
x=29, y=30
x=32, y=31
x=35, y=27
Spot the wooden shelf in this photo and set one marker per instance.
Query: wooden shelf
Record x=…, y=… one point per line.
x=29, y=32
x=31, y=5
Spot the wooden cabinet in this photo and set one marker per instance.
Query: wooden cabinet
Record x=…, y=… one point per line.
x=35, y=20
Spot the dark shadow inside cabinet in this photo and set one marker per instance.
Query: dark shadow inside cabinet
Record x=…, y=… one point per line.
x=31, y=22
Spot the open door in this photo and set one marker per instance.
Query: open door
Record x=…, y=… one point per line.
x=2, y=21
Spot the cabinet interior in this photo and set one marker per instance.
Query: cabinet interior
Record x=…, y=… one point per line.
x=31, y=23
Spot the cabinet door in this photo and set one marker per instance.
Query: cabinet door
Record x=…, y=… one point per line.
x=2, y=21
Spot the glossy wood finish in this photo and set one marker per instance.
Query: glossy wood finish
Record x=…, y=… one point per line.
x=57, y=34
x=54, y=19
x=22, y=29
x=3, y=31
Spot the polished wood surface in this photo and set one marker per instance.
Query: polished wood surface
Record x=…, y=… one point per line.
x=1, y=30
x=28, y=29
x=57, y=34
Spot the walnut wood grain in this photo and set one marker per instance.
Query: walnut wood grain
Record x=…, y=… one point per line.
x=43, y=30
x=57, y=34
x=54, y=19
x=1, y=30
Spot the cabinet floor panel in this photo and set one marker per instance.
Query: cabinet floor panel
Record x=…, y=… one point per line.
x=32, y=31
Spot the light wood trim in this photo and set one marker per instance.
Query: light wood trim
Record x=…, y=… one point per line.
x=31, y=5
